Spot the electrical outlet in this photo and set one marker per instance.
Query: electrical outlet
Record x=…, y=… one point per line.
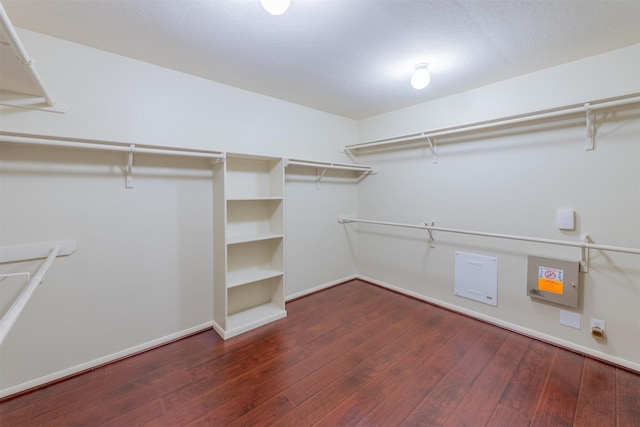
x=597, y=323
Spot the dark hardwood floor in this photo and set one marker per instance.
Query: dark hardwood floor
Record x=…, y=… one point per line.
x=354, y=355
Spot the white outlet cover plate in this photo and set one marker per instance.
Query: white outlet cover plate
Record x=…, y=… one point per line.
x=570, y=319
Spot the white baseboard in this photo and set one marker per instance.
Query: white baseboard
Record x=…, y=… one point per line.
x=320, y=287
x=65, y=373
x=510, y=326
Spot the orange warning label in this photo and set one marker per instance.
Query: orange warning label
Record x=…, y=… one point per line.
x=550, y=280
x=552, y=286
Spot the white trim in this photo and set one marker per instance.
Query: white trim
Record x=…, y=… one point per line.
x=35, y=251
x=96, y=363
x=32, y=102
x=321, y=287
x=511, y=326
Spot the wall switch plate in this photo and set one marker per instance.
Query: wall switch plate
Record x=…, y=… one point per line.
x=570, y=319
x=564, y=219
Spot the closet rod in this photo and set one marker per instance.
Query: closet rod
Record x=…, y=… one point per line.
x=18, y=49
x=326, y=165
x=109, y=146
x=558, y=113
x=10, y=317
x=583, y=245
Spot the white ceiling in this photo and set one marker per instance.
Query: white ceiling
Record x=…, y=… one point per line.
x=353, y=58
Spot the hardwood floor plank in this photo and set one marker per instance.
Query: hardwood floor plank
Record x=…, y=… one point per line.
x=521, y=395
x=505, y=416
x=557, y=404
x=62, y=390
x=597, y=395
x=312, y=408
x=16, y=415
x=627, y=398
x=426, y=375
x=383, y=386
x=113, y=403
x=441, y=401
x=138, y=415
x=477, y=406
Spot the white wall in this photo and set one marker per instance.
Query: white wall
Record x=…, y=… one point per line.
x=142, y=272
x=318, y=251
x=512, y=182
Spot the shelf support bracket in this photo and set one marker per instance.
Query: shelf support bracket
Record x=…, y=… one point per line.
x=432, y=239
x=128, y=169
x=584, y=255
x=4, y=276
x=319, y=177
x=433, y=146
x=591, y=130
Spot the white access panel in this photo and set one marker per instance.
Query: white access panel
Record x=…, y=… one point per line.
x=476, y=277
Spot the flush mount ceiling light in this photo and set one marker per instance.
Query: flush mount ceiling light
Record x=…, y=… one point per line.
x=421, y=77
x=275, y=7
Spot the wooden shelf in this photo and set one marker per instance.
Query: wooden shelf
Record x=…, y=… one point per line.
x=234, y=240
x=252, y=198
x=252, y=318
x=244, y=277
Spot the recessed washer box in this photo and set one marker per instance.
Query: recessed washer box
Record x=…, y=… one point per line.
x=553, y=280
x=476, y=277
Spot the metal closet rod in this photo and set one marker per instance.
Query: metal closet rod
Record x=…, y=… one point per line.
x=557, y=114
x=327, y=165
x=107, y=145
x=22, y=55
x=430, y=228
x=10, y=317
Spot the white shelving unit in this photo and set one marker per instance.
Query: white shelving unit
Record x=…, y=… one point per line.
x=248, y=244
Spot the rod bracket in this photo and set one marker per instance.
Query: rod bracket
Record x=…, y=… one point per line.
x=432, y=238
x=591, y=129
x=433, y=146
x=584, y=255
x=319, y=176
x=128, y=168
x=4, y=276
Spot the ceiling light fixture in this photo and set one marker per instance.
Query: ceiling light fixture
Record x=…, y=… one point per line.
x=421, y=77
x=275, y=7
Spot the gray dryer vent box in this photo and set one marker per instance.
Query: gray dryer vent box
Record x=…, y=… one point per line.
x=553, y=280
